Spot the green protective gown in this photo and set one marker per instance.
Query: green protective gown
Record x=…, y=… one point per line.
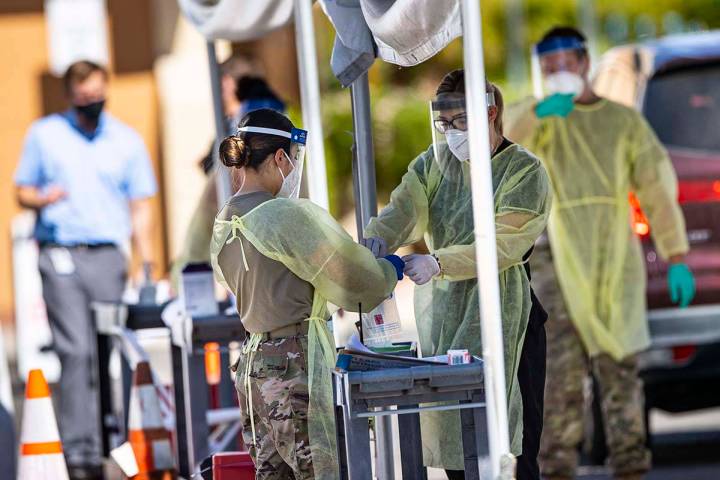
x=434, y=200
x=595, y=157
x=309, y=242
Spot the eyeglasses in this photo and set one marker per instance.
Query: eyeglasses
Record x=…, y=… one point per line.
x=458, y=122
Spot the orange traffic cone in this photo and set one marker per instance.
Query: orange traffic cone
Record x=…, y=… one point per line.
x=147, y=434
x=41, y=454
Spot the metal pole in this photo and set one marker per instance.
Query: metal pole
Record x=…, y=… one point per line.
x=588, y=23
x=366, y=203
x=516, y=68
x=485, y=246
x=222, y=179
x=310, y=98
x=365, y=209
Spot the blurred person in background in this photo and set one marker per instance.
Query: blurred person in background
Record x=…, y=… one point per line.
x=89, y=178
x=591, y=276
x=250, y=93
x=434, y=201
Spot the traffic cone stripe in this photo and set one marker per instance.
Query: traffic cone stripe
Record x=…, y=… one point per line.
x=44, y=448
x=37, y=387
x=147, y=435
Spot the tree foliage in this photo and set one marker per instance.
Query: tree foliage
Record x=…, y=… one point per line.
x=401, y=127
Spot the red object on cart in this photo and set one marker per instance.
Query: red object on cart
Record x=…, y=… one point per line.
x=233, y=466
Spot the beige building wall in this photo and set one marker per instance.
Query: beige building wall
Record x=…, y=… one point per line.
x=28, y=92
x=159, y=85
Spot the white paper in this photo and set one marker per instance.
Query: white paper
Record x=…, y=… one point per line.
x=197, y=291
x=125, y=459
x=77, y=30
x=62, y=261
x=356, y=345
x=381, y=324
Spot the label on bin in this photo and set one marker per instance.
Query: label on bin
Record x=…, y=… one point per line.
x=458, y=357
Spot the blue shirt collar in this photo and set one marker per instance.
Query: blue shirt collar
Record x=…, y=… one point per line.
x=71, y=116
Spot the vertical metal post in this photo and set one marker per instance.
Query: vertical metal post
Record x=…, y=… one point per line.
x=486, y=249
x=310, y=98
x=411, y=454
x=516, y=66
x=191, y=406
x=365, y=209
x=588, y=23
x=366, y=202
x=109, y=424
x=222, y=178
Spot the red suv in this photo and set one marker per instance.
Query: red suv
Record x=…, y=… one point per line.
x=675, y=82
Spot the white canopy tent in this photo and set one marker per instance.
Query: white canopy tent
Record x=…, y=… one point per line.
x=233, y=20
x=364, y=28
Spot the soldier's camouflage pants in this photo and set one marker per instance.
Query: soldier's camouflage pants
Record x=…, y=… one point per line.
x=568, y=366
x=279, y=399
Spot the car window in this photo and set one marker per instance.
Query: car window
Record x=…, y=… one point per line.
x=683, y=106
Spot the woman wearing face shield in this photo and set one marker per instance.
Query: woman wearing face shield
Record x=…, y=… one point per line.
x=286, y=260
x=434, y=201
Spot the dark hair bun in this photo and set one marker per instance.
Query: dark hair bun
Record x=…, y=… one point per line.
x=234, y=152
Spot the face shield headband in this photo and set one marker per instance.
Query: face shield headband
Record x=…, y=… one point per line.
x=291, y=184
x=559, y=44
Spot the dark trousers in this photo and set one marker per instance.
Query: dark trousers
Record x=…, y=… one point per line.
x=99, y=276
x=531, y=376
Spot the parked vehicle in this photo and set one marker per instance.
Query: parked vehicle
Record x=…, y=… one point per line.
x=675, y=82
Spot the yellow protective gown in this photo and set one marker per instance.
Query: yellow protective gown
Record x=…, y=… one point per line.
x=595, y=157
x=309, y=242
x=434, y=200
x=198, y=234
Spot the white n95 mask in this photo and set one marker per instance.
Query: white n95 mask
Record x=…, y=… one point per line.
x=457, y=141
x=566, y=83
x=291, y=184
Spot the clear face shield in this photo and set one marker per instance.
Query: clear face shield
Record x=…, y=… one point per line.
x=557, y=67
x=291, y=182
x=449, y=126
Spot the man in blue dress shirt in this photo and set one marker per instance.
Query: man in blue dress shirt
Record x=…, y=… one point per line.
x=89, y=178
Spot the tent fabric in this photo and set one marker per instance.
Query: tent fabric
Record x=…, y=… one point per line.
x=237, y=20
x=402, y=32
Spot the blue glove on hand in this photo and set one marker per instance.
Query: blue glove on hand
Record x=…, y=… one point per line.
x=398, y=263
x=559, y=104
x=681, y=284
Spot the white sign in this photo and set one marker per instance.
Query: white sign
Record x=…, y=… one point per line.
x=77, y=30
x=197, y=290
x=31, y=323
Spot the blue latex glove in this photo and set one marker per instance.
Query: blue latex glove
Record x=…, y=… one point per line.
x=398, y=263
x=559, y=104
x=681, y=284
